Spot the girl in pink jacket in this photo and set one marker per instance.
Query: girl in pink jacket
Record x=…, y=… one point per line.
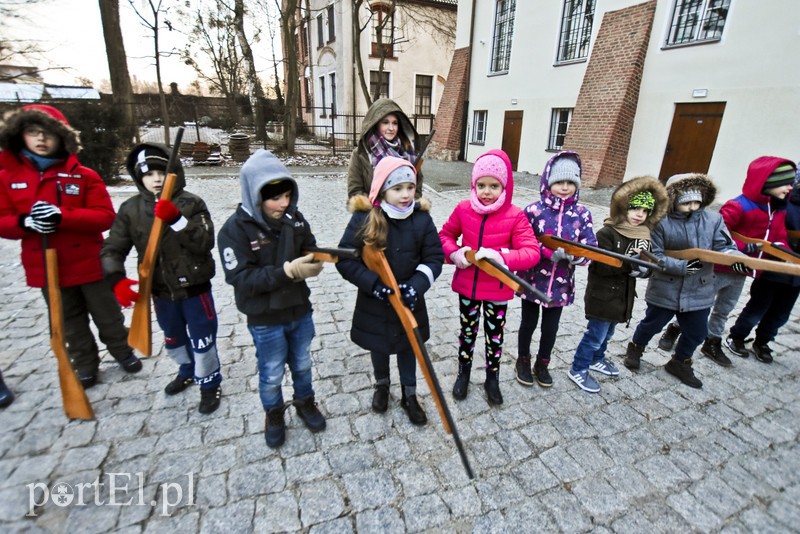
x=498, y=230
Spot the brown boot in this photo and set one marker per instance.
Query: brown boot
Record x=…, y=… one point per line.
x=682, y=370
x=633, y=355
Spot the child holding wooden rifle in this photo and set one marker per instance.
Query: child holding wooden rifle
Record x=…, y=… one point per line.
x=47, y=193
x=261, y=248
x=636, y=207
x=685, y=289
x=385, y=131
x=391, y=220
x=560, y=214
x=490, y=224
x=183, y=271
x=759, y=212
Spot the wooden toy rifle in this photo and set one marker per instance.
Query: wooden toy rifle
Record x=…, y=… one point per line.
x=773, y=249
x=501, y=273
x=721, y=258
x=73, y=396
x=598, y=254
x=376, y=261
x=140, y=336
x=331, y=255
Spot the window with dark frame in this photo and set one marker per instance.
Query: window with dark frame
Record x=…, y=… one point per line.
x=503, y=35
x=307, y=91
x=479, y=126
x=323, y=101
x=423, y=95
x=384, y=83
x=331, y=27
x=333, y=94
x=320, y=33
x=697, y=21
x=576, y=29
x=304, y=37
x=559, y=124
x=383, y=24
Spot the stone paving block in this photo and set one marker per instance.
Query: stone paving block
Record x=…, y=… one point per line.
x=499, y=492
x=541, y=435
x=757, y=519
x=320, y=501
x=695, y=512
x=664, y=518
x=628, y=483
x=306, y=467
x=566, y=510
x=235, y=518
x=86, y=457
x=380, y=520
x=599, y=499
x=662, y=472
x=416, y=479
x=561, y=464
x=515, y=445
x=718, y=496
x=588, y=454
x=212, y=491
x=278, y=512
x=491, y=523
x=369, y=489
x=632, y=523
x=786, y=510
x=34, y=469
x=256, y=479
x=343, y=525
x=223, y=430
x=220, y=459
x=462, y=502
x=424, y=512
x=690, y=462
x=92, y=519
x=352, y=457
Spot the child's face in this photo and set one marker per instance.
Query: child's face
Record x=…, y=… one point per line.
x=688, y=207
x=488, y=189
x=563, y=189
x=401, y=195
x=388, y=127
x=780, y=192
x=275, y=207
x=637, y=216
x=153, y=181
x=41, y=141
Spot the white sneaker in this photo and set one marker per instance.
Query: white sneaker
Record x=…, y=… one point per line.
x=584, y=381
x=604, y=367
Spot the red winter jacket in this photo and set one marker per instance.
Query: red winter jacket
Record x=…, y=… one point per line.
x=507, y=231
x=86, y=211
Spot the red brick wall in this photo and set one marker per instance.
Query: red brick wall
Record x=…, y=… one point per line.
x=446, y=142
x=602, y=121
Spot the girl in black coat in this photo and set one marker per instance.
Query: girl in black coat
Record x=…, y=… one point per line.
x=392, y=221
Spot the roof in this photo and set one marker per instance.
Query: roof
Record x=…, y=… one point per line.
x=72, y=92
x=21, y=92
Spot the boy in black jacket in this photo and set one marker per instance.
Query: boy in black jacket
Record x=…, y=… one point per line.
x=261, y=248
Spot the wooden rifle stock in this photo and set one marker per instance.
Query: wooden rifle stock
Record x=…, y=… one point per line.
x=597, y=254
x=770, y=248
x=495, y=270
x=140, y=336
x=331, y=255
x=376, y=261
x=73, y=396
x=721, y=258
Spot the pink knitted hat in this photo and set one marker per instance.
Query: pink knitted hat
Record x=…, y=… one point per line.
x=490, y=165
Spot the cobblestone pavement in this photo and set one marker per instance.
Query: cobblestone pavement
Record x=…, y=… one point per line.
x=645, y=455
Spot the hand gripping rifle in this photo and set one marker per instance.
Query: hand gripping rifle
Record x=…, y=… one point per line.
x=140, y=336
x=597, y=254
x=376, y=261
x=501, y=273
x=773, y=249
x=73, y=396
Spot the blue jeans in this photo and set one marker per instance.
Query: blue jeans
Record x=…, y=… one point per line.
x=694, y=328
x=592, y=347
x=277, y=345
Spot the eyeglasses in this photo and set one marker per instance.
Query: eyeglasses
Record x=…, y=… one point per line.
x=37, y=131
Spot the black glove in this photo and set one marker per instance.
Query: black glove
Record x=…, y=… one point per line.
x=381, y=292
x=749, y=248
x=740, y=268
x=693, y=267
x=29, y=224
x=44, y=212
x=409, y=294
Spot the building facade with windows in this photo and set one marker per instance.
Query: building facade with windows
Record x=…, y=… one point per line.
x=408, y=40
x=657, y=87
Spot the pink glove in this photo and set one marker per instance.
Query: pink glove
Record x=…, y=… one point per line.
x=125, y=295
x=459, y=258
x=489, y=254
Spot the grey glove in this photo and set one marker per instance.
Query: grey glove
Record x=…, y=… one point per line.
x=303, y=267
x=693, y=267
x=639, y=271
x=560, y=254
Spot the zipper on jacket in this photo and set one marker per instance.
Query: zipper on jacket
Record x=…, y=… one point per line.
x=480, y=241
x=558, y=233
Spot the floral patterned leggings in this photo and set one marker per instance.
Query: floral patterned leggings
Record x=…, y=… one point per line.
x=494, y=320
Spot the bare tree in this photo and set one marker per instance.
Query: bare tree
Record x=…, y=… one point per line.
x=255, y=91
x=272, y=24
x=288, y=19
x=121, y=89
x=26, y=54
x=153, y=24
x=384, y=26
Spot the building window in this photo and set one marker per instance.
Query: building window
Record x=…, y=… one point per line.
x=305, y=37
x=331, y=27
x=576, y=29
x=333, y=94
x=322, y=99
x=479, y=127
x=384, y=84
x=424, y=94
x=383, y=27
x=697, y=21
x=503, y=34
x=559, y=123
x=320, y=33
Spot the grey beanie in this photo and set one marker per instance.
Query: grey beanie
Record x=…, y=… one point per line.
x=565, y=169
x=401, y=175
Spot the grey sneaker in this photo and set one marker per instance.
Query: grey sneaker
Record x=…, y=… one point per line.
x=604, y=367
x=736, y=346
x=584, y=381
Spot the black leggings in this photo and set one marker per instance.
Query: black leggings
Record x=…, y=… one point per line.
x=550, y=319
x=494, y=321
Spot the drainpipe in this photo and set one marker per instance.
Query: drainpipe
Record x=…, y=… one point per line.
x=462, y=154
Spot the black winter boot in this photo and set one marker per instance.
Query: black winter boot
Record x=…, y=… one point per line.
x=178, y=384
x=462, y=381
x=410, y=404
x=633, y=355
x=275, y=427
x=682, y=370
x=669, y=337
x=380, y=399
x=310, y=414
x=209, y=399
x=713, y=349
x=6, y=395
x=543, y=377
x=523, y=370
x=492, y=387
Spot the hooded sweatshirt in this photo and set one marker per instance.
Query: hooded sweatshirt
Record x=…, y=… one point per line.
x=359, y=171
x=253, y=248
x=86, y=209
x=184, y=265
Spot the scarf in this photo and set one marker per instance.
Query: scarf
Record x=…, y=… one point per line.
x=628, y=230
x=40, y=162
x=481, y=208
x=396, y=213
x=379, y=148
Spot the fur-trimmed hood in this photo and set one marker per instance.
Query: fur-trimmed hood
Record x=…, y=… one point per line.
x=680, y=183
x=45, y=116
x=362, y=203
x=623, y=193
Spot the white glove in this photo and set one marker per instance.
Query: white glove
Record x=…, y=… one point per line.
x=459, y=258
x=489, y=254
x=560, y=254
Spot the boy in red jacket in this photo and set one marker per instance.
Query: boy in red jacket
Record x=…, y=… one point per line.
x=47, y=195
